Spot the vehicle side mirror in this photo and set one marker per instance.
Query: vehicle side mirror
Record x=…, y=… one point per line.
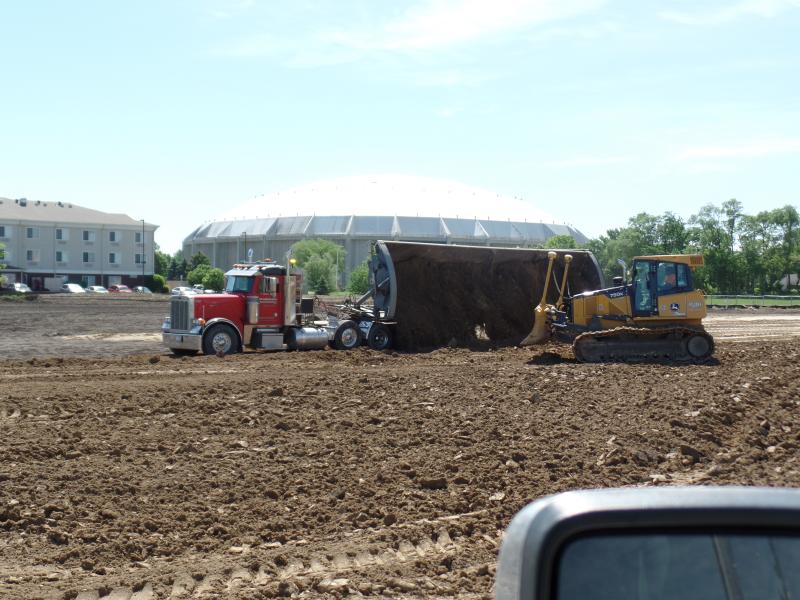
x=654, y=544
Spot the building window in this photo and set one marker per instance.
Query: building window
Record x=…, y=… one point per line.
x=138, y=237
x=32, y=255
x=32, y=233
x=62, y=235
x=88, y=236
x=61, y=256
x=114, y=236
x=139, y=259
x=114, y=258
x=2, y=231
x=88, y=257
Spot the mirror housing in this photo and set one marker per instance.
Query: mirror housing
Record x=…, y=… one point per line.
x=528, y=560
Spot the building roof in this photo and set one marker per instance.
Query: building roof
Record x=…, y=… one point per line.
x=390, y=195
x=60, y=212
x=366, y=227
x=388, y=207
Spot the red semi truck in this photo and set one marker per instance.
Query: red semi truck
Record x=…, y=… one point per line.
x=261, y=308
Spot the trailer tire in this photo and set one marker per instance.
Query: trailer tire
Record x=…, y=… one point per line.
x=347, y=336
x=220, y=338
x=380, y=337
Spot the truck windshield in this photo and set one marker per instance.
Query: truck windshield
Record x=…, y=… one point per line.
x=238, y=284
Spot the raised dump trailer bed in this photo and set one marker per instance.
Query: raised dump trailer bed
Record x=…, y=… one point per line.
x=435, y=294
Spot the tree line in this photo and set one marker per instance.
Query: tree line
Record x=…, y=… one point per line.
x=744, y=254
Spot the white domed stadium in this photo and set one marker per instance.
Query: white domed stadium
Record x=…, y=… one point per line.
x=355, y=211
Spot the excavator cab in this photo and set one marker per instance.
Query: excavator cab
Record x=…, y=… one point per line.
x=663, y=289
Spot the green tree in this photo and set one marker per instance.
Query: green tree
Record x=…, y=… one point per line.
x=177, y=266
x=156, y=283
x=712, y=234
x=319, y=274
x=671, y=234
x=162, y=261
x=197, y=260
x=214, y=280
x=561, y=242
x=314, y=257
x=197, y=274
x=787, y=222
x=359, y=279
x=2, y=264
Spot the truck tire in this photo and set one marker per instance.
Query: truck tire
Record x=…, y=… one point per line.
x=220, y=338
x=380, y=337
x=347, y=336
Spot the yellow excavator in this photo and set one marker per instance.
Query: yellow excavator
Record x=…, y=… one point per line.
x=658, y=315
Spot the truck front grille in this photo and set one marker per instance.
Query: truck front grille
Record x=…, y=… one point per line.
x=180, y=313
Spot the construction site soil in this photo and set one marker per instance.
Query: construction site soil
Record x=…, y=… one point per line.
x=128, y=473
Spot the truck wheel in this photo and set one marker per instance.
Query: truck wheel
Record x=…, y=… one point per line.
x=380, y=337
x=183, y=352
x=220, y=338
x=347, y=336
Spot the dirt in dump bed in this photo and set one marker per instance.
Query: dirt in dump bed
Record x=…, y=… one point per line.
x=324, y=474
x=455, y=296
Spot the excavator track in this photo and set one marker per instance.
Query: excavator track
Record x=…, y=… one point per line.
x=637, y=344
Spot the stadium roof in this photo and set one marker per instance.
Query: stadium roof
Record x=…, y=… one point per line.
x=389, y=196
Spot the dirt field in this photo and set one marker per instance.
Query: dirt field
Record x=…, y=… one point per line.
x=323, y=474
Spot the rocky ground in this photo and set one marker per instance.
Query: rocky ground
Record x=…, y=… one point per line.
x=326, y=473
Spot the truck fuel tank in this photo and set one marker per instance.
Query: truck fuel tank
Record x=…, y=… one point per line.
x=306, y=338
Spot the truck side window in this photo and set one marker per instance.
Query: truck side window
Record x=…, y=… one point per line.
x=268, y=285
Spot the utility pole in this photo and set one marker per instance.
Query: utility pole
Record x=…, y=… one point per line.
x=143, y=254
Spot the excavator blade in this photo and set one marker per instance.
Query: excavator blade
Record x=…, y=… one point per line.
x=456, y=295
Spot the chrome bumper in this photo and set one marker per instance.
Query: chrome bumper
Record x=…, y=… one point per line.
x=182, y=341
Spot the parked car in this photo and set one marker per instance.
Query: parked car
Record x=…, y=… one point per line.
x=96, y=289
x=120, y=289
x=182, y=291
x=72, y=288
x=19, y=288
x=140, y=289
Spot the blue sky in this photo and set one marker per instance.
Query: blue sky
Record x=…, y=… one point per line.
x=176, y=111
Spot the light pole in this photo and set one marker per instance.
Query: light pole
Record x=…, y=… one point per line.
x=143, y=254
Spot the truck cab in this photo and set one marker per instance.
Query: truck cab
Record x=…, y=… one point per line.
x=261, y=307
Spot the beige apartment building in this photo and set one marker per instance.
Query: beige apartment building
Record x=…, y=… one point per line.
x=47, y=243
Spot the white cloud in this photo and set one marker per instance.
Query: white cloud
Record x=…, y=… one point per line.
x=588, y=161
x=442, y=23
x=428, y=25
x=754, y=149
x=730, y=12
x=227, y=9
